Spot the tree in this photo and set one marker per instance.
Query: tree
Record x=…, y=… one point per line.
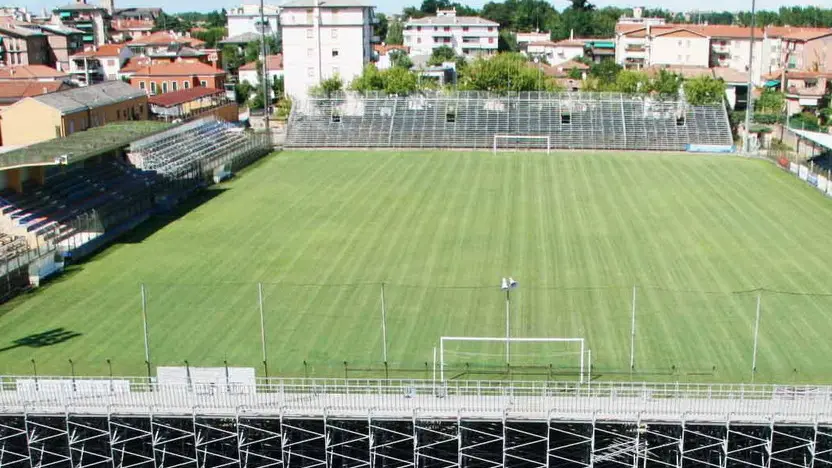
x=575, y=74
x=504, y=72
x=400, y=59
x=398, y=80
x=278, y=87
x=665, y=83
x=253, y=49
x=442, y=54
x=507, y=41
x=242, y=91
x=631, y=81
x=770, y=102
x=605, y=72
x=395, y=33
x=328, y=86
x=231, y=59
x=211, y=36
x=381, y=27
x=704, y=90
x=369, y=80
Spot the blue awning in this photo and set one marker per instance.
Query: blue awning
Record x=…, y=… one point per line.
x=772, y=83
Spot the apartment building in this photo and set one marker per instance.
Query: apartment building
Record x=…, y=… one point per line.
x=63, y=42
x=123, y=30
x=529, y=37
x=325, y=38
x=22, y=46
x=93, y=20
x=807, y=50
x=163, y=78
x=99, y=64
x=682, y=47
x=246, y=19
x=467, y=35
x=274, y=68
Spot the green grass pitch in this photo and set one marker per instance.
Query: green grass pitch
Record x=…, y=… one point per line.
x=322, y=230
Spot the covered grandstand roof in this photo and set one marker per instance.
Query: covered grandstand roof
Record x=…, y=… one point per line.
x=821, y=139
x=81, y=145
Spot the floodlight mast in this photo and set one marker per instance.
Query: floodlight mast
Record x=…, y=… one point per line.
x=507, y=285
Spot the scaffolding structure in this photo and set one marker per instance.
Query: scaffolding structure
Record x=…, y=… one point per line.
x=342, y=423
x=575, y=120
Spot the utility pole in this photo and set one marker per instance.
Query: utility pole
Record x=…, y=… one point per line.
x=265, y=78
x=750, y=109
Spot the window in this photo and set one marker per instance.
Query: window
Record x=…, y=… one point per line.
x=174, y=85
x=465, y=29
x=436, y=28
x=164, y=86
x=71, y=127
x=566, y=119
x=203, y=83
x=680, y=43
x=186, y=84
x=334, y=52
x=309, y=33
x=688, y=43
x=310, y=52
x=336, y=118
x=490, y=28
x=680, y=121
x=418, y=28
x=450, y=115
x=418, y=40
x=490, y=40
x=335, y=70
x=152, y=87
x=111, y=62
x=446, y=28
x=334, y=33
x=141, y=85
x=310, y=72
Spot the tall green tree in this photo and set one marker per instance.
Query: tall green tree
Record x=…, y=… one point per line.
x=770, y=102
x=704, y=90
x=381, y=27
x=504, y=72
x=665, y=83
x=442, y=54
x=395, y=33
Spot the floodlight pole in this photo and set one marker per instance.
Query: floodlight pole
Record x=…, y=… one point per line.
x=383, y=326
x=756, y=335
x=262, y=328
x=508, y=325
x=633, y=332
x=144, y=324
x=750, y=107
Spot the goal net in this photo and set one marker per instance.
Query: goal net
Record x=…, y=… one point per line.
x=522, y=142
x=467, y=355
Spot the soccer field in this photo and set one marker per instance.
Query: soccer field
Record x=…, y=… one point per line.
x=320, y=232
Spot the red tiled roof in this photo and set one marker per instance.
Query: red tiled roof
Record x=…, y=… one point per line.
x=106, y=50
x=383, y=49
x=273, y=62
x=803, y=36
x=780, y=31
x=797, y=74
x=729, y=75
x=179, y=69
x=135, y=64
x=28, y=72
x=165, y=37
x=684, y=71
x=182, y=96
x=682, y=32
x=569, y=65
x=26, y=88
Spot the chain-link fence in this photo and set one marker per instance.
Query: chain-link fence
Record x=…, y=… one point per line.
x=375, y=330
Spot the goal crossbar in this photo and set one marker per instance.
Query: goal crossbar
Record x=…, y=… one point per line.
x=506, y=340
x=546, y=138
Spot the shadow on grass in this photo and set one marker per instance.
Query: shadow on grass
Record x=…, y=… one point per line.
x=43, y=339
x=160, y=220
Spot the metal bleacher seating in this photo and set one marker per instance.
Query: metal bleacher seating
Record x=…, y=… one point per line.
x=471, y=119
x=194, y=149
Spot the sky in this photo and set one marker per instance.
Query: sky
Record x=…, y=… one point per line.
x=390, y=6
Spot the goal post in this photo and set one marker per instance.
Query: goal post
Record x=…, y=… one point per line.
x=507, y=341
x=543, y=141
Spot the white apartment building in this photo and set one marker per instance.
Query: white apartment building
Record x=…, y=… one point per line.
x=246, y=19
x=467, y=35
x=324, y=38
x=679, y=47
x=527, y=37
x=556, y=53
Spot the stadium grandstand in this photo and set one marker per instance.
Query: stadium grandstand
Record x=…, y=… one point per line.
x=528, y=120
x=65, y=198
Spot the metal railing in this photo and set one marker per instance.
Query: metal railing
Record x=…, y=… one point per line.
x=403, y=398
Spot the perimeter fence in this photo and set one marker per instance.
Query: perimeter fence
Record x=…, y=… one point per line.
x=375, y=330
